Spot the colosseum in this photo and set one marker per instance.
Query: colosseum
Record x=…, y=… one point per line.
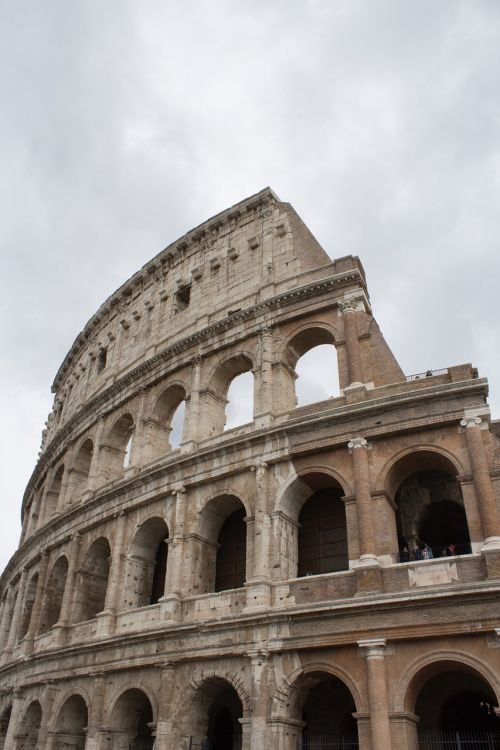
x=319, y=577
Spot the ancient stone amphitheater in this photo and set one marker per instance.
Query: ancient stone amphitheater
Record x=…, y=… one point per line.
x=320, y=577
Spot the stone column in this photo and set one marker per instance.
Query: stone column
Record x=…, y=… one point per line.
x=166, y=738
x=34, y=624
x=15, y=716
x=96, y=712
x=16, y=617
x=348, y=309
x=259, y=698
x=69, y=589
x=482, y=480
x=106, y=618
x=171, y=600
x=374, y=650
x=61, y=500
x=258, y=586
x=6, y=617
x=358, y=447
x=49, y=697
x=192, y=417
x=136, y=456
x=94, y=462
x=263, y=399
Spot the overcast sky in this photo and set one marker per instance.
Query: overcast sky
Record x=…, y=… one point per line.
x=123, y=125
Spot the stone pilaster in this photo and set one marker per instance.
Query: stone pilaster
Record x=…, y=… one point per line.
x=94, y=463
x=358, y=448
x=259, y=698
x=136, y=455
x=264, y=385
x=258, y=585
x=348, y=309
x=15, y=718
x=374, y=651
x=34, y=624
x=165, y=734
x=482, y=480
x=48, y=699
x=106, y=618
x=96, y=712
x=18, y=608
x=171, y=601
x=192, y=417
x=6, y=617
x=69, y=589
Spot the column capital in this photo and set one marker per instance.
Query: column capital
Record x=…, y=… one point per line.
x=178, y=489
x=353, y=302
x=357, y=442
x=373, y=647
x=258, y=655
x=259, y=466
x=477, y=416
x=470, y=421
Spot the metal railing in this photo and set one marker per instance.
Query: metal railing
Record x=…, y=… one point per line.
x=197, y=742
x=458, y=740
x=426, y=374
x=312, y=741
x=145, y=744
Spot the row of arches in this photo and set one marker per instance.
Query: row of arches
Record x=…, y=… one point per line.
x=229, y=400
x=452, y=704
x=313, y=538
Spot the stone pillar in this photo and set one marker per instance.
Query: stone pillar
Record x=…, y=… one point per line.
x=258, y=585
x=96, y=712
x=259, y=699
x=34, y=624
x=94, y=463
x=48, y=699
x=374, y=650
x=263, y=399
x=171, y=600
x=348, y=309
x=6, y=617
x=106, y=618
x=136, y=456
x=358, y=447
x=482, y=480
x=166, y=738
x=16, y=617
x=284, y=733
x=15, y=716
x=69, y=589
x=192, y=418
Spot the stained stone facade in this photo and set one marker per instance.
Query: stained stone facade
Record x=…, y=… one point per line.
x=264, y=586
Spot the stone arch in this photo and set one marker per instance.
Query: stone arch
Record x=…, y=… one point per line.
x=312, y=521
x=29, y=727
x=304, y=341
x=132, y=719
x=71, y=722
x=450, y=693
x=215, y=396
x=54, y=592
x=116, y=448
x=80, y=470
x=29, y=600
x=92, y=580
x=158, y=426
x=221, y=543
x=147, y=563
x=53, y=494
x=429, y=505
x=5, y=715
x=208, y=695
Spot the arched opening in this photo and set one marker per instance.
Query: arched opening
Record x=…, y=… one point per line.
x=71, y=725
x=29, y=601
x=317, y=375
x=239, y=408
x=229, y=398
x=132, y=721
x=218, y=710
x=147, y=564
x=310, y=370
x=52, y=496
x=222, y=546
x=116, y=450
x=430, y=516
x=322, y=543
x=93, y=581
x=79, y=474
x=54, y=591
x=4, y=724
x=27, y=734
x=164, y=429
x=456, y=708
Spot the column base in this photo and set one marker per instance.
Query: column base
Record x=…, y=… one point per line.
x=491, y=542
x=368, y=577
x=258, y=595
x=105, y=623
x=492, y=561
x=171, y=608
x=61, y=633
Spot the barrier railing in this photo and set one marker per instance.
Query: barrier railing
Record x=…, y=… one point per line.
x=458, y=740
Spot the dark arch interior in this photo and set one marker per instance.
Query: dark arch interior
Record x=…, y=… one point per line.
x=457, y=701
x=224, y=728
x=322, y=534
x=160, y=571
x=231, y=552
x=328, y=715
x=133, y=715
x=431, y=512
x=4, y=724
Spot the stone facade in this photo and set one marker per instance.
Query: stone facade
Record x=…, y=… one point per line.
x=256, y=586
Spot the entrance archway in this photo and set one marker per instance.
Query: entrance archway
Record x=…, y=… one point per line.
x=457, y=709
x=27, y=735
x=217, y=714
x=71, y=725
x=326, y=707
x=132, y=721
x=4, y=724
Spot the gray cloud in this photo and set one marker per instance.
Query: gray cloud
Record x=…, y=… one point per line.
x=124, y=127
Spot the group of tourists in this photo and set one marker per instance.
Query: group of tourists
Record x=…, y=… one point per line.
x=423, y=551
